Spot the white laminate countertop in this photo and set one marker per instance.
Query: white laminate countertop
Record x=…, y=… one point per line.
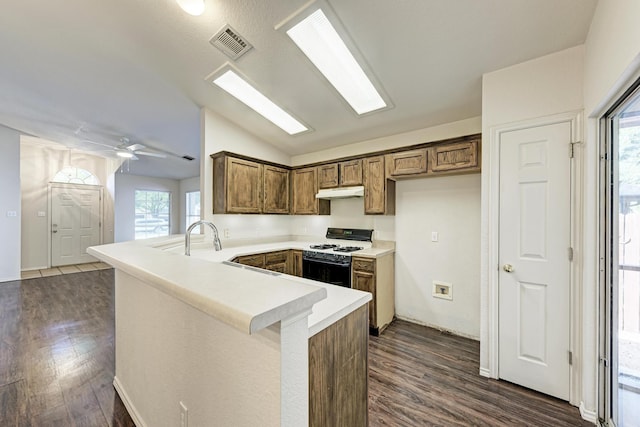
x=247, y=298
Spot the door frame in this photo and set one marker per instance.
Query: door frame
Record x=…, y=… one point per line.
x=49, y=211
x=574, y=118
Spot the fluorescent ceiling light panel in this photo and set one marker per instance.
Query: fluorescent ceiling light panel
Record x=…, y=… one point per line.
x=318, y=39
x=192, y=7
x=239, y=88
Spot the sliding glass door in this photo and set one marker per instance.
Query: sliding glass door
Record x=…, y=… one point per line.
x=621, y=293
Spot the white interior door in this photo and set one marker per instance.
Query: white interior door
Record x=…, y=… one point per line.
x=534, y=278
x=75, y=223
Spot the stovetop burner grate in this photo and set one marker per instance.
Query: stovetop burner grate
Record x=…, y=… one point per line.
x=324, y=246
x=348, y=249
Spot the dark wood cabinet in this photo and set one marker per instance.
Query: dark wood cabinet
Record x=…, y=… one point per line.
x=328, y=176
x=376, y=275
x=244, y=186
x=379, y=192
x=351, y=173
x=237, y=185
x=413, y=162
x=296, y=263
x=448, y=158
x=256, y=260
x=304, y=189
x=275, y=189
x=277, y=261
x=338, y=372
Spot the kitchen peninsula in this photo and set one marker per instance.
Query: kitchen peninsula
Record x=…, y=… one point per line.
x=203, y=338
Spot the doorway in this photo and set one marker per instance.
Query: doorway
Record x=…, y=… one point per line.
x=76, y=222
x=620, y=297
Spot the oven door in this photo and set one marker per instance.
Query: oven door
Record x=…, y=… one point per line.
x=327, y=272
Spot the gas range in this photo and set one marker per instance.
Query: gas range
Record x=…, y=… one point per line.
x=330, y=262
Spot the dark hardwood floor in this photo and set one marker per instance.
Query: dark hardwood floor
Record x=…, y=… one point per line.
x=57, y=367
x=419, y=376
x=57, y=353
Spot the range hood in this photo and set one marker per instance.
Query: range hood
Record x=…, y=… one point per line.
x=341, y=193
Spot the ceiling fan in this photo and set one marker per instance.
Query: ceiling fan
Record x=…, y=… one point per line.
x=129, y=150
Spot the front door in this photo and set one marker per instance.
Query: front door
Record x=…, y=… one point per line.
x=534, y=278
x=75, y=223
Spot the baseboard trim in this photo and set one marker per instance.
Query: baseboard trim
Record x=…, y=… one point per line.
x=484, y=372
x=587, y=414
x=133, y=413
x=439, y=328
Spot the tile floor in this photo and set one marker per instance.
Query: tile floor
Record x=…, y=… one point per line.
x=66, y=269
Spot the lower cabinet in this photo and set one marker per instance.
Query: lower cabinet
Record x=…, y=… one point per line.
x=278, y=261
x=295, y=263
x=338, y=373
x=376, y=275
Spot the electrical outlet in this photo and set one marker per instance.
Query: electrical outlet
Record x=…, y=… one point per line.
x=434, y=236
x=184, y=415
x=12, y=213
x=227, y=233
x=442, y=290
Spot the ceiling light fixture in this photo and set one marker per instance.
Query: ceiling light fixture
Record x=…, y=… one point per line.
x=192, y=7
x=318, y=39
x=238, y=87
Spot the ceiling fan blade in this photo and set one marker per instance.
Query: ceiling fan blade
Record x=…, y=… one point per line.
x=151, y=154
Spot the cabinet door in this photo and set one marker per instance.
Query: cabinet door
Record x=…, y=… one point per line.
x=328, y=176
x=351, y=173
x=375, y=191
x=366, y=281
x=296, y=263
x=252, y=260
x=305, y=187
x=275, y=190
x=453, y=157
x=244, y=184
x=280, y=267
x=407, y=163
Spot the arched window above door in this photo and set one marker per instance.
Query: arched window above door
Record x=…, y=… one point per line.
x=71, y=175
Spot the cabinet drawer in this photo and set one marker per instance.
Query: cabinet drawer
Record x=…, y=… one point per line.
x=361, y=264
x=252, y=260
x=276, y=257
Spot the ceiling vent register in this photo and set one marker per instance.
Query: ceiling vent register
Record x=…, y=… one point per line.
x=230, y=42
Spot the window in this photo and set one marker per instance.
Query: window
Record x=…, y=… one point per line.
x=193, y=207
x=152, y=213
x=76, y=176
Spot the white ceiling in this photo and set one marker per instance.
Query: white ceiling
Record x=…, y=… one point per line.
x=104, y=69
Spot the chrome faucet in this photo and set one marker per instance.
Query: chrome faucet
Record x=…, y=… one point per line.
x=217, y=245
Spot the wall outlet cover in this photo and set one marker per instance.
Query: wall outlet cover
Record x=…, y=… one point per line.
x=442, y=290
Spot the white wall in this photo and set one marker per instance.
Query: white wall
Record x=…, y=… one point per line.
x=612, y=63
x=39, y=162
x=125, y=188
x=544, y=86
x=449, y=206
x=10, y=202
x=218, y=134
x=186, y=186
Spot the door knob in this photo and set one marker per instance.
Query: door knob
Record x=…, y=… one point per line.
x=54, y=228
x=508, y=268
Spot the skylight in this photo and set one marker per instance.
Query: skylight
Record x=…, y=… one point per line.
x=243, y=91
x=319, y=40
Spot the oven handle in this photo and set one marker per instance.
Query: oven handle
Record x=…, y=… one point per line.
x=326, y=262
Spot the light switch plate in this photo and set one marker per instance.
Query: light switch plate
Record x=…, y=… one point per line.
x=434, y=236
x=12, y=213
x=42, y=213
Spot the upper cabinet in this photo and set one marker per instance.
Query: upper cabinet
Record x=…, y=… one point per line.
x=275, y=190
x=379, y=192
x=413, y=162
x=328, y=176
x=245, y=185
x=303, y=194
x=248, y=187
x=454, y=157
x=351, y=173
x=237, y=185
